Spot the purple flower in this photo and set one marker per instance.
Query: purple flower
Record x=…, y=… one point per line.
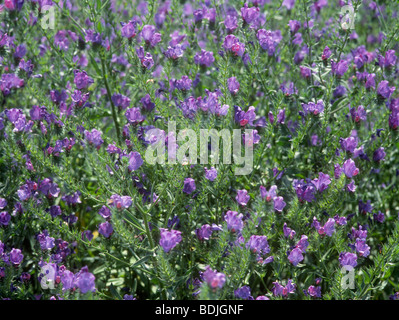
x=294, y=26
x=359, y=114
x=120, y=101
x=348, y=144
x=67, y=280
x=304, y=191
x=4, y=218
x=327, y=229
x=231, y=43
x=234, y=221
x=314, y=291
x=16, y=257
x=278, y=203
x=303, y=243
x=289, y=4
x=128, y=30
x=389, y=60
x=105, y=229
x=150, y=36
x=233, y=85
x=82, y=80
x=249, y=15
x=362, y=248
x=169, y=239
x=306, y=73
x=384, y=91
x=105, y=212
x=295, y=256
x=268, y=195
x=258, y=244
x=379, y=154
x=9, y=81
x=243, y=293
x=370, y=81
x=84, y=280
x=204, y=233
x=3, y=203
x=189, y=185
x=46, y=242
x=183, y=84
x=94, y=137
x=269, y=40
x=339, y=68
x=146, y=60
x=349, y=168
x=242, y=197
x=230, y=23
x=211, y=173
x=322, y=182
x=279, y=290
x=174, y=52
x=134, y=116
x=326, y=54
x=379, y=217
x=213, y=278
x=204, y=58
x=348, y=259
x=288, y=232
x=135, y=161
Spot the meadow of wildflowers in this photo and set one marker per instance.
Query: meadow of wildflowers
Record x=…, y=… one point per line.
x=106, y=191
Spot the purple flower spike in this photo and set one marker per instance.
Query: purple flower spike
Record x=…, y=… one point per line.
x=279, y=204
x=350, y=168
x=105, y=229
x=189, y=185
x=234, y=221
x=348, y=259
x=242, y=197
x=295, y=256
x=169, y=239
x=213, y=278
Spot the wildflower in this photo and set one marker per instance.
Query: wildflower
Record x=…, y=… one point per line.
x=4, y=218
x=150, y=36
x=349, y=168
x=94, y=137
x=189, y=185
x=233, y=85
x=169, y=239
x=314, y=291
x=128, y=30
x=278, y=203
x=84, y=280
x=328, y=228
x=242, y=197
x=268, y=195
x=213, y=278
x=211, y=173
x=279, y=290
x=135, y=161
x=82, y=80
x=204, y=58
x=379, y=154
x=234, y=221
x=120, y=202
x=258, y=244
x=16, y=257
x=288, y=232
x=105, y=229
x=243, y=293
x=134, y=116
x=384, y=91
x=348, y=259
x=295, y=256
